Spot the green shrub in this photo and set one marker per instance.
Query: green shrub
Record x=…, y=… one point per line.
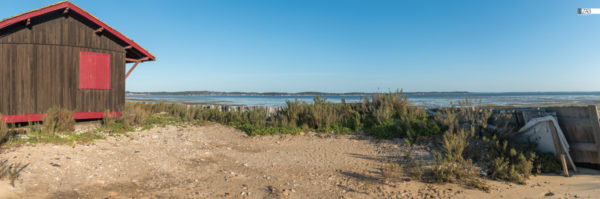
x=116, y=127
x=336, y=128
x=467, y=138
x=254, y=130
x=547, y=163
x=461, y=171
x=407, y=128
x=509, y=163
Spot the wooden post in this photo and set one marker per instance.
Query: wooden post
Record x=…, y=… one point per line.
x=561, y=152
x=564, y=165
x=561, y=155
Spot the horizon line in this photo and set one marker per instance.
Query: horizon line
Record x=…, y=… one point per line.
x=364, y=92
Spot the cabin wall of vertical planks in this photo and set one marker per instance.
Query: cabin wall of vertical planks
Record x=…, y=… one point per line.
x=39, y=67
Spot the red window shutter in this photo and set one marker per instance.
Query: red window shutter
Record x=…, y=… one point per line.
x=94, y=70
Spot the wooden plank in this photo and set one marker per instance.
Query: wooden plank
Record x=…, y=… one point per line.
x=583, y=156
x=595, y=129
x=570, y=111
x=580, y=146
x=575, y=121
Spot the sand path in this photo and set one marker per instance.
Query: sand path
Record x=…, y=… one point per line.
x=216, y=161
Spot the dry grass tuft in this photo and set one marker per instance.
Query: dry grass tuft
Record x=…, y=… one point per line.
x=392, y=172
x=3, y=130
x=108, y=118
x=10, y=171
x=58, y=120
x=415, y=169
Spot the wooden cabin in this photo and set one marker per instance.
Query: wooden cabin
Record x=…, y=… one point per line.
x=60, y=55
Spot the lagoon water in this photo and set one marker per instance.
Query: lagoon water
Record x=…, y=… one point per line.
x=427, y=99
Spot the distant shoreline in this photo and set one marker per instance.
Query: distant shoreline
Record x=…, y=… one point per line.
x=215, y=93
x=310, y=93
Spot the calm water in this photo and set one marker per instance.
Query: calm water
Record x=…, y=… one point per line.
x=428, y=100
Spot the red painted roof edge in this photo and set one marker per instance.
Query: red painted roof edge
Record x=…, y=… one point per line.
x=73, y=8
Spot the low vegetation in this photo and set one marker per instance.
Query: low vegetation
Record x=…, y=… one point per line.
x=384, y=116
x=468, y=148
x=471, y=149
x=57, y=127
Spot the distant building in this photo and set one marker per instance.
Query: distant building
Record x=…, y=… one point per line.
x=60, y=55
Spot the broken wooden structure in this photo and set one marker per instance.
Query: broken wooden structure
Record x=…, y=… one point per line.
x=581, y=127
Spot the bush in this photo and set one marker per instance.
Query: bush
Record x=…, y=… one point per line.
x=468, y=139
x=547, y=163
x=509, y=163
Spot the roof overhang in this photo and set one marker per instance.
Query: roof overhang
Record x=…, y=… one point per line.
x=70, y=8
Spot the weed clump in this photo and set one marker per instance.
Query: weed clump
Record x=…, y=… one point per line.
x=415, y=169
x=58, y=120
x=108, y=118
x=112, y=124
x=3, y=130
x=391, y=172
x=10, y=171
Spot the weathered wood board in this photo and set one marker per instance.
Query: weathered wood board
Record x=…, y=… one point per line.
x=581, y=127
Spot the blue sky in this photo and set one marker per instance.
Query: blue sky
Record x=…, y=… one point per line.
x=348, y=45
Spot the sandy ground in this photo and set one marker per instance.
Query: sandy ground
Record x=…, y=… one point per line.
x=216, y=161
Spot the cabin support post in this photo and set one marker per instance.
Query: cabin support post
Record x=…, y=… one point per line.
x=130, y=70
x=137, y=61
